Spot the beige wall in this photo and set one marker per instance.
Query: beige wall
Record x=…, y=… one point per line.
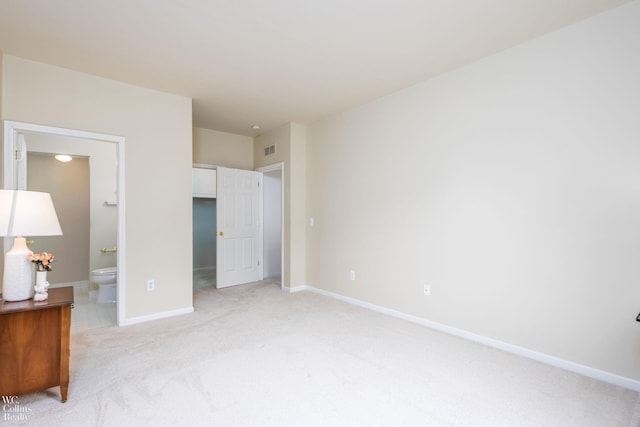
x=510, y=186
x=158, y=157
x=297, y=188
x=216, y=148
x=290, y=141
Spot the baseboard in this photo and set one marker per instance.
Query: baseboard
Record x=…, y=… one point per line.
x=78, y=284
x=296, y=289
x=157, y=316
x=587, y=371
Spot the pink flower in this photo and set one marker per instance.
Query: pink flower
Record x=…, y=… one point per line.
x=42, y=261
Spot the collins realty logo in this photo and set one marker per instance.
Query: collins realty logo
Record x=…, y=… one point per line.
x=12, y=410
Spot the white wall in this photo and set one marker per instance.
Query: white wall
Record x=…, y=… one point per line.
x=158, y=158
x=511, y=186
x=272, y=208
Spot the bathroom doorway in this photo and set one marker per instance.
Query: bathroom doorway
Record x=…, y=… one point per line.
x=107, y=174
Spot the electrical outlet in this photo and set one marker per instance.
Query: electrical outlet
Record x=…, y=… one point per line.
x=352, y=275
x=427, y=290
x=151, y=285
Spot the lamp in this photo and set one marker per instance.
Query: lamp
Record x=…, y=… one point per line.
x=23, y=213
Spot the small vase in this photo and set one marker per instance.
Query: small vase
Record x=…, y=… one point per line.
x=41, y=277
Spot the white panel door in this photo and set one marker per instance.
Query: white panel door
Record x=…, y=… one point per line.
x=239, y=224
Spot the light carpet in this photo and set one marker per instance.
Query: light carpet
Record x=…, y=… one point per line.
x=253, y=355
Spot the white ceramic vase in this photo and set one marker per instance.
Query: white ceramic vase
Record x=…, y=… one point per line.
x=41, y=277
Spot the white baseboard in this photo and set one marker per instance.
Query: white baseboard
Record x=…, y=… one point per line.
x=587, y=371
x=78, y=284
x=156, y=316
x=296, y=289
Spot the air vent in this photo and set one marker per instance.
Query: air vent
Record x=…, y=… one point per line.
x=270, y=150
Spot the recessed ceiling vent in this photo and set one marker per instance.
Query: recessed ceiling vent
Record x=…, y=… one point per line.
x=270, y=150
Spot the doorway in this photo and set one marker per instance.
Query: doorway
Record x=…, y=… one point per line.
x=207, y=224
x=273, y=208
x=15, y=173
x=204, y=242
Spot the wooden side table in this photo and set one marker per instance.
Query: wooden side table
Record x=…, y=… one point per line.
x=34, y=344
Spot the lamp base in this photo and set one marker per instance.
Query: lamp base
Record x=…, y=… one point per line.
x=17, y=282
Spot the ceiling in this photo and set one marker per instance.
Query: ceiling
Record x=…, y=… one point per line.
x=270, y=62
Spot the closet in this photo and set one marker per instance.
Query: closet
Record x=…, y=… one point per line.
x=204, y=227
x=237, y=225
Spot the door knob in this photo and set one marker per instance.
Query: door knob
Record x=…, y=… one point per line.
x=221, y=233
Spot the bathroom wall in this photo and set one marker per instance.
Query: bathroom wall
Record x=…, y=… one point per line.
x=68, y=184
x=102, y=178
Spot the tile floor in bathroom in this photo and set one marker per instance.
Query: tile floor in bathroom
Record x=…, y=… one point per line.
x=87, y=314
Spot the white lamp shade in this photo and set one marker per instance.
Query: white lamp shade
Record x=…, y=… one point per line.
x=23, y=213
x=27, y=213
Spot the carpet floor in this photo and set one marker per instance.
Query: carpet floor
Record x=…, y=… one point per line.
x=253, y=355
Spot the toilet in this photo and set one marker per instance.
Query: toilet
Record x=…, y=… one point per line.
x=106, y=279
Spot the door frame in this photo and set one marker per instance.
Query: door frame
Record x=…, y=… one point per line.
x=12, y=129
x=271, y=168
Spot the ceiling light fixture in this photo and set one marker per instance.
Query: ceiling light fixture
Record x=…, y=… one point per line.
x=63, y=158
x=255, y=127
